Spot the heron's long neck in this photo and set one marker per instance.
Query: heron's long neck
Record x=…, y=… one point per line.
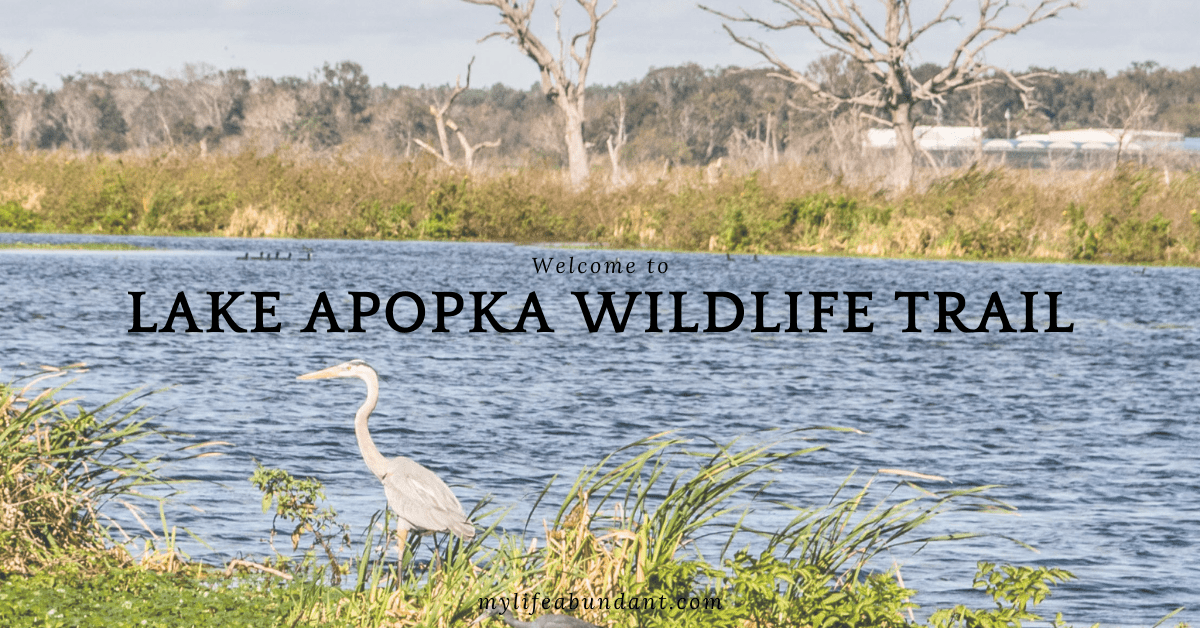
x=370, y=453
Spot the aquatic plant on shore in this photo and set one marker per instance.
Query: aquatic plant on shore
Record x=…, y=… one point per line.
x=60, y=464
x=627, y=531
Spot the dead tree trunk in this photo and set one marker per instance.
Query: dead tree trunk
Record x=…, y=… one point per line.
x=614, y=148
x=438, y=109
x=1128, y=113
x=469, y=149
x=564, y=77
x=906, y=146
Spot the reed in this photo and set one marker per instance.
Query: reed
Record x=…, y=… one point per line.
x=60, y=463
x=629, y=527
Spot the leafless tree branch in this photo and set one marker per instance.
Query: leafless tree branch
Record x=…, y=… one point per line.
x=440, y=107
x=883, y=49
x=433, y=151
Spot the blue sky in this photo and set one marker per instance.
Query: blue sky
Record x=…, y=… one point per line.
x=414, y=42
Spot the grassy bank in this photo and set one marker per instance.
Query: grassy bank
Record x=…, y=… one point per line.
x=1132, y=214
x=626, y=529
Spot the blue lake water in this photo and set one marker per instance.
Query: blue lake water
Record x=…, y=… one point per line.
x=1093, y=434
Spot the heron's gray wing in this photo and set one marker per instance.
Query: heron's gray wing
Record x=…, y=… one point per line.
x=422, y=500
x=561, y=621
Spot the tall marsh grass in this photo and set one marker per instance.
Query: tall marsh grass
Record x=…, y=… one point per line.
x=60, y=463
x=1129, y=214
x=641, y=526
x=630, y=528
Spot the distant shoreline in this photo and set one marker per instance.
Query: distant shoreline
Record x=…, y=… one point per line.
x=72, y=246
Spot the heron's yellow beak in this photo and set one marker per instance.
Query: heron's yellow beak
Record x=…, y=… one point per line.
x=322, y=374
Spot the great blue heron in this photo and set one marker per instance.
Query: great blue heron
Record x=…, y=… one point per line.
x=551, y=620
x=420, y=499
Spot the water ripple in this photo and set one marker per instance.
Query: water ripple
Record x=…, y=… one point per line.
x=1092, y=434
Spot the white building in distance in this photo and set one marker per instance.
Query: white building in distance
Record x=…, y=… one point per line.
x=954, y=138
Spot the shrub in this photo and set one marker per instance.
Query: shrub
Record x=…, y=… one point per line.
x=13, y=217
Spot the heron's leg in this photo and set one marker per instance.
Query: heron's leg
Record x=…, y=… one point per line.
x=437, y=553
x=402, y=542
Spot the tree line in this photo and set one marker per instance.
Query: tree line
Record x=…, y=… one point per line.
x=685, y=115
x=679, y=115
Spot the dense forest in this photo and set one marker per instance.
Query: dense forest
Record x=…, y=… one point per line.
x=684, y=115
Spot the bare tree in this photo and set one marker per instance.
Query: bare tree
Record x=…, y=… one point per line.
x=1126, y=113
x=216, y=98
x=26, y=109
x=564, y=77
x=150, y=121
x=614, y=148
x=440, y=110
x=75, y=113
x=396, y=120
x=469, y=149
x=883, y=46
x=271, y=112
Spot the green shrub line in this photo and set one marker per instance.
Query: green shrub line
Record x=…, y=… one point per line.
x=1127, y=215
x=626, y=528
